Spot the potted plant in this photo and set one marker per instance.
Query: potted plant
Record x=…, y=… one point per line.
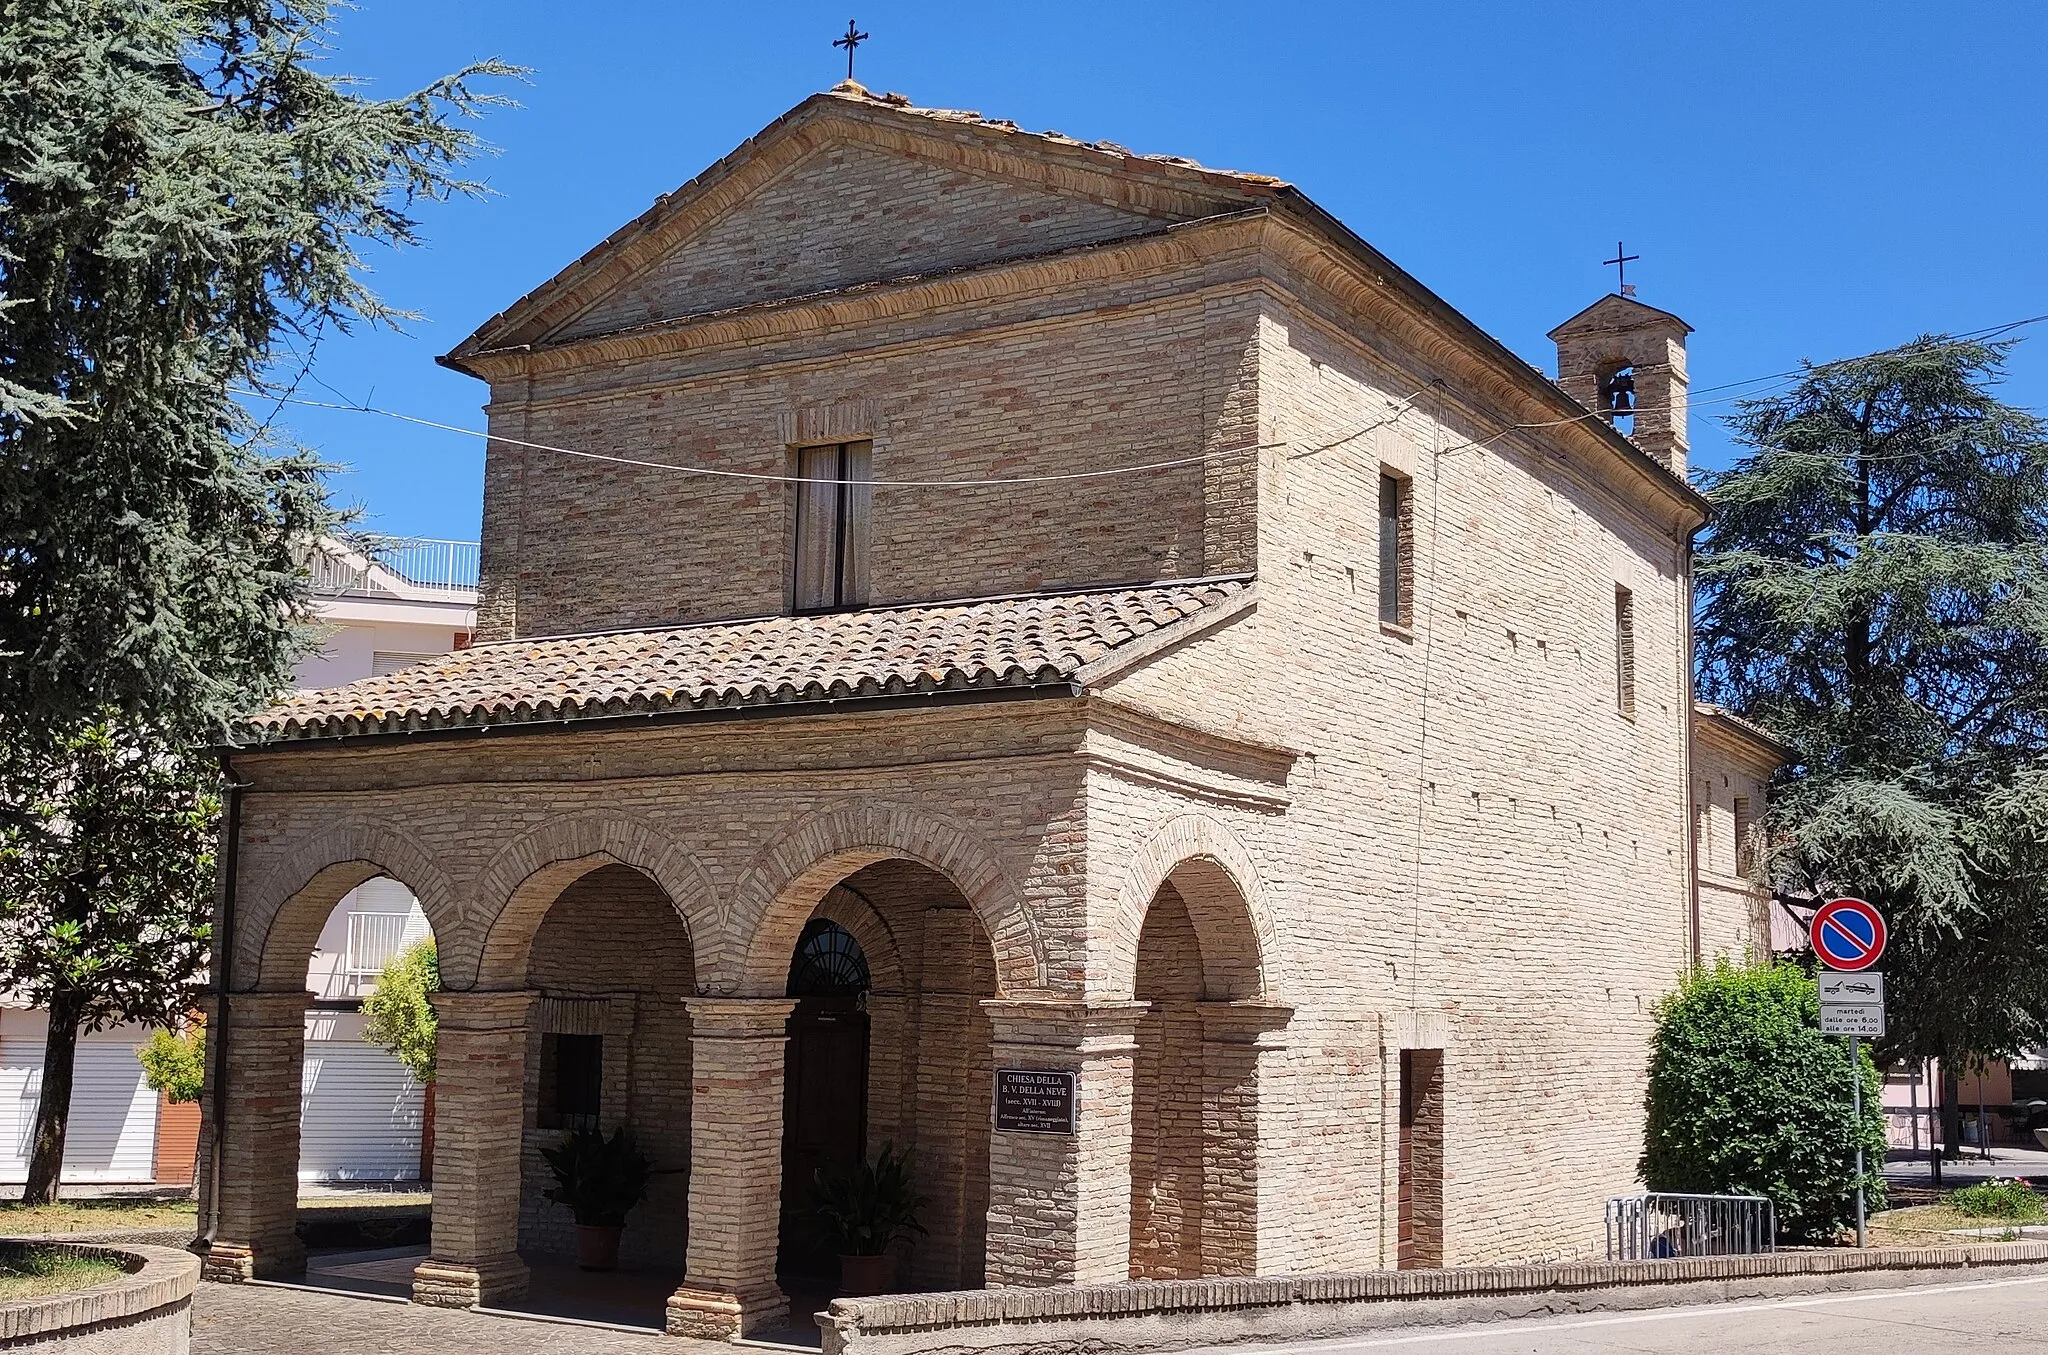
x=862, y=1211
x=600, y=1179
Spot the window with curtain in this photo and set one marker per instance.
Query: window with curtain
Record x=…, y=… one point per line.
x=834, y=506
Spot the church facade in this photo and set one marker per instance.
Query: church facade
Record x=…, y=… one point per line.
x=1063, y=660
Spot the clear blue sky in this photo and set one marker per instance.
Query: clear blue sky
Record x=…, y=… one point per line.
x=1803, y=180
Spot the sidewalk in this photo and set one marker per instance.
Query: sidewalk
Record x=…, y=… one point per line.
x=1906, y=1168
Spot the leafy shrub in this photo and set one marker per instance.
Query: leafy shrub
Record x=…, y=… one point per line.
x=175, y=1064
x=600, y=1179
x=1747, y=1097
x=2000, y=1200
x=862, y=1210
x=397, y=1015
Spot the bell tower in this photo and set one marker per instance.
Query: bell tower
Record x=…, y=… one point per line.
x=1626, y=362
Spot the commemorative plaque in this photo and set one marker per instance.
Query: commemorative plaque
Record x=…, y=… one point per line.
x=1034, y=1101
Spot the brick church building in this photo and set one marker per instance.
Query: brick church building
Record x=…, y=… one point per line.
x=1023, y=608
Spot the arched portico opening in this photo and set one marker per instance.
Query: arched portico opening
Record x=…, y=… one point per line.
x=889, y=1046
x=607, y=1046
x=364, y=1116
x=1195, y=1079
x=295, y=1096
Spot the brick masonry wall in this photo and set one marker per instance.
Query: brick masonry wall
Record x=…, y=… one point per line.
x=603, y=545
x=1734, y=913
x=1548, y=906
x=849, y=214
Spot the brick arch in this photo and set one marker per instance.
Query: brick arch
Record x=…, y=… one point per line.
x=282, y=912
x=885, y=958
x=529, y=873
x=1217, y=878
x=792, y=876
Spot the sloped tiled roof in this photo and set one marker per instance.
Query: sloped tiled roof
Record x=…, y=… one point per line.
x=1019, y=642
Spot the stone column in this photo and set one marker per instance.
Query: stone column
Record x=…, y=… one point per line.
x=479, y=1117
x=1060, y=1204
x=255, y=1189
x=737, y=1056
x=1242, y=1051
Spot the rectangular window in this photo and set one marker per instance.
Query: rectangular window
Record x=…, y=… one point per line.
x=834, y=509
x=1397, y=552
x=1625, y=652
x=571, y=1081
x=1742, y=827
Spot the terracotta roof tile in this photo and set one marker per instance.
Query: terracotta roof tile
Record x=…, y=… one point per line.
x=1015, y=642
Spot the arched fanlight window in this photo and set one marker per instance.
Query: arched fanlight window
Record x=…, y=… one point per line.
x=828, y=962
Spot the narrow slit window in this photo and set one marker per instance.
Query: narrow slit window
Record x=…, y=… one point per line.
x=1742, y=832
x=1625, y=652
x=834, y=525
x=1397, y=552
x=572, y=1081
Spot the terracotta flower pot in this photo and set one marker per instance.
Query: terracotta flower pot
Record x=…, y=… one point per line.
x=597, y=1246
x=859, y=1275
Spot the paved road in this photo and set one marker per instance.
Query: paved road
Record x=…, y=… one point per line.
x=1998, y=1317
x=2004, y=1317
x=233, y=1319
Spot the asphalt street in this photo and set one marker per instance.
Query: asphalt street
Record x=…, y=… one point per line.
x=2004, y=1316
x=1997, y=1317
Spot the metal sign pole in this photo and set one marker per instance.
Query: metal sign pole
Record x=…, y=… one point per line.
x=1856, y=1127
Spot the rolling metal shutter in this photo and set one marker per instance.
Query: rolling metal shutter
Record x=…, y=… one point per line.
x=112, y=1135
x=359, y=1115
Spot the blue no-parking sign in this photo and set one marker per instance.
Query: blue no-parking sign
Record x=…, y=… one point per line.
x=1847, y=934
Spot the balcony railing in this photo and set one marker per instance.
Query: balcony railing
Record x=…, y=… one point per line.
x=374, y=939
x=416, y=564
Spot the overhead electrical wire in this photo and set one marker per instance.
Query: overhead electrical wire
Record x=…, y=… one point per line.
x=1217, y=455
x=1394, y=415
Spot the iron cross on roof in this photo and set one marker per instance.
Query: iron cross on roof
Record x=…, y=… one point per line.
x=1619, y=263
x=854, y=38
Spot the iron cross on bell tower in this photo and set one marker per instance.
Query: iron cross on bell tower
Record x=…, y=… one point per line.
x=1619, y=263
x=854, y=38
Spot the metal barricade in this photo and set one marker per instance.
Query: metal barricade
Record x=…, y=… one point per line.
x=1658, y=1227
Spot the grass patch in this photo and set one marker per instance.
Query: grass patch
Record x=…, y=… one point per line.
x=1933, y=1225
x=91, y=1216
x=28, y=1272
x=2000, y=1200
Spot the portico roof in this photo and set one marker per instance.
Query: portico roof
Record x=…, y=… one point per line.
x=1013, y=644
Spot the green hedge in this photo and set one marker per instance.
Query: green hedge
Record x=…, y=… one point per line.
x=1747, y=1097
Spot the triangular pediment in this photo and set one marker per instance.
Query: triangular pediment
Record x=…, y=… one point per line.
x=848, y=189
x=1614, y=311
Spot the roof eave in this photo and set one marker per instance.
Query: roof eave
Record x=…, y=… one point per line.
x=828, y=705
x=1498, y=354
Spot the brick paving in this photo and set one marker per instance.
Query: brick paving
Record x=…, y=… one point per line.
x=232, y=1319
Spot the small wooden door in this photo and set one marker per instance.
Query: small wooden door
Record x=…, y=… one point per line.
x=824, y=1088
